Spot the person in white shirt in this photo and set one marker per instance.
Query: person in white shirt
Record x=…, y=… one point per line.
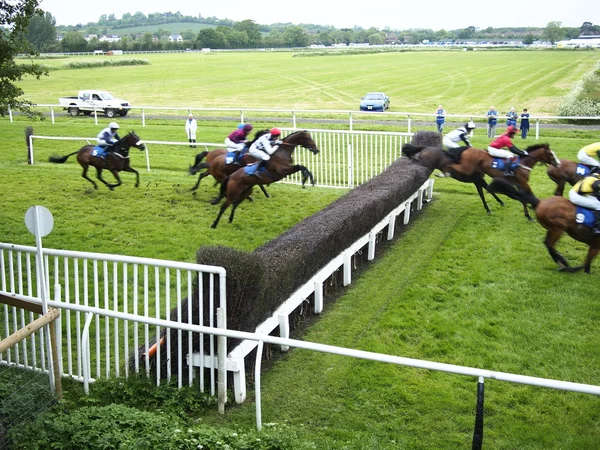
x=190, y=128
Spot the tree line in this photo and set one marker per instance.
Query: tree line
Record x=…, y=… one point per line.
x=42, y=32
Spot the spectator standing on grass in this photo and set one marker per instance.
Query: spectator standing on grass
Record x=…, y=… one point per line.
x=190, y=128
x=440, y=118
x=492, y=118
x=511, y=117
x=524, y=127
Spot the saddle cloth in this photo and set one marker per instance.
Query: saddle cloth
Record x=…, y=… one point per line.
x=500, y=164
x=236, y=157
x=583, y=170
x=99, y=151
x=584, y=216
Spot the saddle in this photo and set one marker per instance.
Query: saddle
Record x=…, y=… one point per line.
x=99, y=152
x=585, y=216
x=236, y=157
x=455, y=154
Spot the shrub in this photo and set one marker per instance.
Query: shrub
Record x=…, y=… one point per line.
x=583, y=100
x=106, y=63
x=122, y=427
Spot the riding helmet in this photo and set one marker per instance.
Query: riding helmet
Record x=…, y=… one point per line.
x=275, y=132
x=511, y=129
x=247, y=127
x=113, y=126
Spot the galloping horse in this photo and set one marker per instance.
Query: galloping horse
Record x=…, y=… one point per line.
x=473, y=160
x=116, y=161
x=565, y=173
x=238, y=186
x=216, y=164
x=437, y=158
x=557, y=215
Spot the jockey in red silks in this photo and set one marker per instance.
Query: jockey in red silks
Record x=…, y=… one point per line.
x=496, y=147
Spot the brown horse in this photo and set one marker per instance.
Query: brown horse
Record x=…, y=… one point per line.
x=116, y=161
x=217, y=166
x=238, y=186
x=557, y=215
x=566, y=173
x=472, y=160
x=437, y=158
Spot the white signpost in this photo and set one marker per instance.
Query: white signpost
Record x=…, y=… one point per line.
x=39, y=222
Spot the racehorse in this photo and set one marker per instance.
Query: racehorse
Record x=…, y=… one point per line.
x=238, y=186
x=566, y=173
x=116, y=161
x=217, y=166
x=437, y=158
x=557, y=215
x=474, y=160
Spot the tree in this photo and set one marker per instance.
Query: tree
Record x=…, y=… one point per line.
x=295, y=37
x=251, y=29
x=376, y=39
x=73, y=41
x=553, y=32
x=528, y=39
x=588, y=29
x=41, y=31
x=15, y=15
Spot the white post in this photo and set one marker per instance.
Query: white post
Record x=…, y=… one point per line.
x=241, y=116
x=147, y=157
x=537, y=129
x=221, y=359
x=350, y=167
x=52, y=113
x=10, y=114
x=293, y=120
x=259, y=351
x=95, y=116
x=143, y=118
x=409, y=123
x=350, y=121
x=31, y=149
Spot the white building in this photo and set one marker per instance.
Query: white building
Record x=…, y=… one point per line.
x=175, y=38
x=110, y=38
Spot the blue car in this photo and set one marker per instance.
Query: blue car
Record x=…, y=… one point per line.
x=374, y=101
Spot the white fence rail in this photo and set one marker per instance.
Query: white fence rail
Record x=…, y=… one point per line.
x=140, y=286
x=347, y=158
x=296, y=115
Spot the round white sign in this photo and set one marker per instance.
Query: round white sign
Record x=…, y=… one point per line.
x=44, y=217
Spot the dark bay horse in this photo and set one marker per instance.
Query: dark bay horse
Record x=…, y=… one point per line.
x=216, y=164
x=437, y=158
x=115, y=162
x=238, y=186
x=473, y=160
x=565, y=173
x=557, y=215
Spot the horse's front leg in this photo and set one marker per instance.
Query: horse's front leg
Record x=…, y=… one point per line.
x=131, y=169
x=480, y=192
x=115, y=173
x=221, y=211
x=262, y=188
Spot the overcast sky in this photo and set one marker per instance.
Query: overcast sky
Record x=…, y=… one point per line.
x=397, y=14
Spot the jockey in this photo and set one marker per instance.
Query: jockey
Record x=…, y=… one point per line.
x=108, y=137
x=460, y=134
x=265, y=146
x=586, y=193
x=495, y=149
x=237, y=139
x=588, y=154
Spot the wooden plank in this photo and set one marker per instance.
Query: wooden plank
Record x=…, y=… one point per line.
x=12, y=301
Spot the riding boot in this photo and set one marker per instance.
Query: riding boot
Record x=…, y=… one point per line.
x=596, y=227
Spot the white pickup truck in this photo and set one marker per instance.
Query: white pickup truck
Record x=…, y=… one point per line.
x=89, y=101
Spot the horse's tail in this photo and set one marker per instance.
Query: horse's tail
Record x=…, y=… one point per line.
x=196, y=167
x=502, y=186
x=61, y=159
x=411, y=150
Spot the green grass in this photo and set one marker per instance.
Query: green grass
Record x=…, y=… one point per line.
x=459, y=287
x=464, y=82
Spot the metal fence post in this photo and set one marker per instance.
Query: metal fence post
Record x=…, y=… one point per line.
x=478, y=431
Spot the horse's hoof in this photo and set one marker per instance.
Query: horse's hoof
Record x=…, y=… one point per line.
x=214, y=225
x=570, y=269
x=214, y=202
x=193, y=189
x=489, y=213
